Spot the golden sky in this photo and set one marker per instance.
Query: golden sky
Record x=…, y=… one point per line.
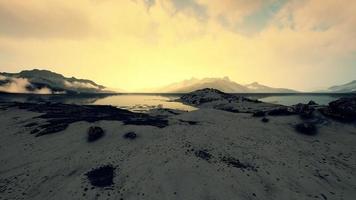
x=134, y=44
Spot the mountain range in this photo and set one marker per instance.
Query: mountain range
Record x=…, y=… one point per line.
x=46, y=82
x=345, y=88
x=222, y=84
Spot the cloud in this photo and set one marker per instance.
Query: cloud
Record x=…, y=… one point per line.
x=76, y=84
x=130, y=47
x=308, y=26
x=149, y=3
x=191, y=7
x=20, y=85
x=40, y=19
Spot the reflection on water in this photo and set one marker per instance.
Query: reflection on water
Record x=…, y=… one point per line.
x=143, y=102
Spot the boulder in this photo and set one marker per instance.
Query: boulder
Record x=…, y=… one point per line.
x=312, y=103
x=95, y=133
x=259, y=114
x=304, y=110
x=280, y=111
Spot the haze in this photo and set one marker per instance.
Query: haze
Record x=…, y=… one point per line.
x=135, y=44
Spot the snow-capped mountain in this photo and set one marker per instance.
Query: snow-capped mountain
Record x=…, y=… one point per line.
x=258, y=88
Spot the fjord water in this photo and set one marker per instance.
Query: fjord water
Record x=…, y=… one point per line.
x=133, y=102
x=145, y=102
x=292, y=99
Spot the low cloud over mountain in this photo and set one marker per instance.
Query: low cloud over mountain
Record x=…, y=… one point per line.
x=46, y=82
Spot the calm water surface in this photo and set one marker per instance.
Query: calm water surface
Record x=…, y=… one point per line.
x=133, y=102
x=145, y=102
x=292, y=99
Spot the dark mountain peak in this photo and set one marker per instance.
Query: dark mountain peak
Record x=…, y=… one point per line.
x=47, y=81
x=39, y=73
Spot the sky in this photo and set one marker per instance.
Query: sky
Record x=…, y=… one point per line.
x=134, y=44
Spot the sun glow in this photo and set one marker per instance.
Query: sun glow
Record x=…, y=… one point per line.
x=143, y=44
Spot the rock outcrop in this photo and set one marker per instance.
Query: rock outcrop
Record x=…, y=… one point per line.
x=343, y=109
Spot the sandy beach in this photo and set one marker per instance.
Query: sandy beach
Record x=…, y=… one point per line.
x=230, y=148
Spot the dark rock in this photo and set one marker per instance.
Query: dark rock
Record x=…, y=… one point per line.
x=227, y=108
x=206, y=95
x=95, y=133
x=265, y=120
x=304, y=110
x=312, y=103
x=306, y=128
x=203, y=154
x=130, y=135
x=343, y=109
x=280, y=111
x=233, y=162
x=102, y=176
x=259, y=114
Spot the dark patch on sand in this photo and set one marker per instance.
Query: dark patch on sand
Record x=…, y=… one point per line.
x=102, y=176
x=189, y=122
x=233, y=162
x=59, y=116
x=203, y=154
x=265, y=120
x=130, y=135
x=95, y=133
x=31, y=124
x=306, y=128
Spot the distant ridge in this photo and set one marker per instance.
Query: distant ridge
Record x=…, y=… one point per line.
x=345, y=88
x=46, y=82
x=223, y=84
